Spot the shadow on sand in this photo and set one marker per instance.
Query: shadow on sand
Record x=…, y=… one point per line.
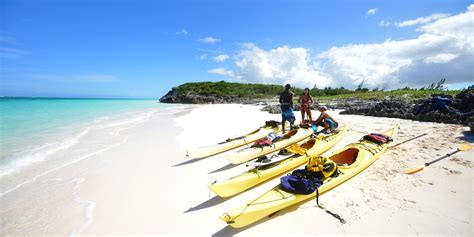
x=230, y=231
x=226, y=167
x=216, y=200
x=187, y=162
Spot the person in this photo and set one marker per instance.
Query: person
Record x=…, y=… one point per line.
x=286, y=105
x=326, y=120
x=306, y=101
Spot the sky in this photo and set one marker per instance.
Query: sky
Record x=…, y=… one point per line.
x=141, y=49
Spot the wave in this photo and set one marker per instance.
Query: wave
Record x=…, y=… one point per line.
x=29, y=155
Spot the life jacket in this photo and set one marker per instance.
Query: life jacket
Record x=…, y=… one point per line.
x=300, y=181
x=377, y=138
x=322, y=164
x=267, y=141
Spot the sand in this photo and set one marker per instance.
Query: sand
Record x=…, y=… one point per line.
x=147, y=186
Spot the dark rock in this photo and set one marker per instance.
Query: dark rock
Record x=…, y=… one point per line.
x=421, y=110
x=273, y=109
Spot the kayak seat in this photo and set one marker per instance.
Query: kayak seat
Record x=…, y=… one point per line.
x=290, y=133
x=309, y=144
x=346, y=157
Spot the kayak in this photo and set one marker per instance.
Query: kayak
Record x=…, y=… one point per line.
x=350, y=160
x=232, y=143
x=249, y=153
x=263, y=171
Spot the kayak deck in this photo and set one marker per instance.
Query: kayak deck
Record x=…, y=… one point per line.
x=351, y=160
x=257, y=175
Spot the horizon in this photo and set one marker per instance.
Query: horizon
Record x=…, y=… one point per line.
x=140, y=50
x=157, y=98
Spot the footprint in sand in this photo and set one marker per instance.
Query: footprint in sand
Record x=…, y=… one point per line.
x=465, y=163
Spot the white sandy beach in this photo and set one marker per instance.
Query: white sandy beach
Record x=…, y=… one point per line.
x=145, y=185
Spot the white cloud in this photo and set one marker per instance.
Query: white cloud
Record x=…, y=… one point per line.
x=222, y=71
x=209, y=40
x=182, y=32
x=441, y=58
x=383, y=23
x=10, y=53
x=278, y=66
x=422, y=20
x=203, y=56
x=221, y=58
x=371, y=12
x=444, y=49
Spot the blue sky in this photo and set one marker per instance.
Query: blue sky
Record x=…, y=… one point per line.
x=143, y=48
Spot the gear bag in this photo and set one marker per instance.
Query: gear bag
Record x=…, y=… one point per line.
x=300, y=181
x=377, y=138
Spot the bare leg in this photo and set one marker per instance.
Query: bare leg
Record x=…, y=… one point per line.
x=309, y=115
x=302, y=115
x=283, y=126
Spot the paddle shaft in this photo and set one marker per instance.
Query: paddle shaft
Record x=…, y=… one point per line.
x=445, y=156
x=411, y=139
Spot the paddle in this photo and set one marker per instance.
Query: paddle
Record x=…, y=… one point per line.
x=411, y=139
x=462, y=147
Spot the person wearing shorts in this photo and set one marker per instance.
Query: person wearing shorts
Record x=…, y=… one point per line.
x=326, y=120
x=286, y=105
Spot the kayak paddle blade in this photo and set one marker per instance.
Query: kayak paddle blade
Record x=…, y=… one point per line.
x=465, y=147
x=413, y=170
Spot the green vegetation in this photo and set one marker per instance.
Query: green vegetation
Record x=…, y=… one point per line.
x=260, y=91
x=407, y=93
x=232, y=89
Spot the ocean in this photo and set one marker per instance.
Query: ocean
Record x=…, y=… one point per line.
x=34, y=129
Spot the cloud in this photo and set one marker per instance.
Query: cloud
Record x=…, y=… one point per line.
x=203, y=56
x=383, y=23
x=98, y=78
x=5, y=39
x=222, y=71
x=221, y=58
x=209, y=40
x=182, y=32
x=11, y=53
x=440, y=58
x=422, y=20
x=371, y=12
x=444, y=48
x=278, y=66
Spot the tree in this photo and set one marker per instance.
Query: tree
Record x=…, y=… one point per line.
x=440, y=85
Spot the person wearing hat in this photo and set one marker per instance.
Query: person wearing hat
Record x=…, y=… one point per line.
x=286, y=105
x=326, y=120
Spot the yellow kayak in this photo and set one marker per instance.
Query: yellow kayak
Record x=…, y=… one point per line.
x=232, y=143
x=312, y=147
x=351, y=160
x=250, y=153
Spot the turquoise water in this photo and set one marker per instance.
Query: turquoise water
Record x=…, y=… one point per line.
x=26, y=124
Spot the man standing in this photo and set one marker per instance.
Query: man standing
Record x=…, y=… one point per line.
x=286, y=104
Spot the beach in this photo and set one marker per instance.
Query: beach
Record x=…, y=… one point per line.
x=133, y=178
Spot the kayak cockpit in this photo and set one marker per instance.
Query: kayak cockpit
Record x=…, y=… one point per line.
x=346, y=158
x=309, y=144
x=291, y=133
